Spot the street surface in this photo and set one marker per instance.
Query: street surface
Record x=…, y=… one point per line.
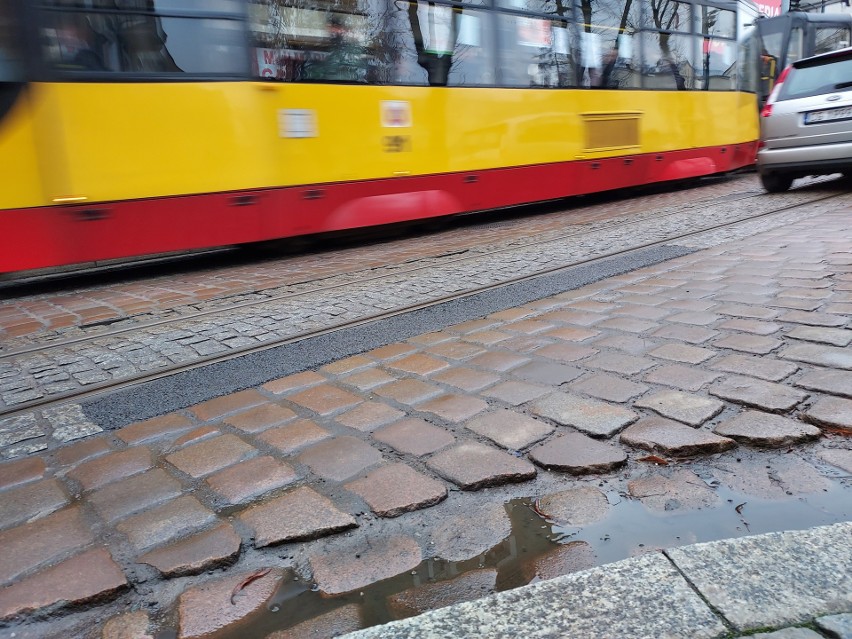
x=702, y=391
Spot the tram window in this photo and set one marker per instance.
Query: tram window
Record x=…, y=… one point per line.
x=668, y=61
x=128, y=41
x=831, y=38
x=796, y=45
x=11, y=47
x=534, y=52
x=718, y=69
x=666, y=15
x=716, y=22
x=608, y=57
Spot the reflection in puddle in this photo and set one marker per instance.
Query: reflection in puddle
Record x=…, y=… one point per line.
x=540, y=549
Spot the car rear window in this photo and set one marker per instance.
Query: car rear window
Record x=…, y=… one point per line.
x=832, y=74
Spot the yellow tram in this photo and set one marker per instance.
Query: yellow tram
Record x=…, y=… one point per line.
x=134, y=127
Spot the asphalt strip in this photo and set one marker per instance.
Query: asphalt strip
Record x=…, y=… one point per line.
x=174, y=392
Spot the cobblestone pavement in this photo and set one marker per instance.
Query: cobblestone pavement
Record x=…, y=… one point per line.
x=326, y=302
x=718, y=379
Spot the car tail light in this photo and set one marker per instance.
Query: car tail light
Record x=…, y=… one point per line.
x=767, y=108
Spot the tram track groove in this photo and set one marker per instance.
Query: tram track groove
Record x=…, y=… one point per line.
x=202, y=361
x=397, y=270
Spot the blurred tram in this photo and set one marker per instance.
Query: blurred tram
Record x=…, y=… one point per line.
x=795, y=35
x=140, y=127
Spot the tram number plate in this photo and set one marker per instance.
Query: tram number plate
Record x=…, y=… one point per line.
x=829, y=115
x=396, y=143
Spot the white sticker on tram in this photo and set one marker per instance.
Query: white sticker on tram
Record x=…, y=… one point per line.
x=396, y=113
x=297, y=123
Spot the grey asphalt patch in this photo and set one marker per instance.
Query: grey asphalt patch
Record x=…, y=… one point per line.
x=178, y=391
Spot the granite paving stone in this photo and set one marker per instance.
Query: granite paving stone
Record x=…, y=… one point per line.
x=461, y=534
x=775, y=398
x=694, y=318
x=340, y=458
x=325, y=399
x=414, y=437
x=367, y=379
x=747, y=343
x=369, y=416
x=473, y=466
x=819, y=582
x=814, y=319
x=431, y=596
x=455, y=349
x=620, y=363
x=827, y=381
x=467, y=379
x=294, y=382
x=338, y=622
x=682, y=353
x=667, y=437
x=496, y=361
x=528, y=612
x=418, y=364
x=408, y=391
x=510, y=429
x=628, y=324
x=562, y=560
x=130, y=625
x=195, y=435
x=211, y=455
x=395, y=489
x=767, y=368
x=220, y=406
x=297, y=515
x=90, y=576
x=292, y=437
x=839, y=457
x=608, y=387
x=590, y=416
x=788, y=633
x=744, y=310
x=832, y=336
x=21, y=471
x=574, y=507
x=260, y=418
x=750, y=326
x=830, y=357
x=246, y=480
x=577, y=454
x=166, y=425
x=166, y=522
x=486, y=337
x=135, y=493
x=348, y=365
x=454, y=408
x=573, y=334
x=831, y=412
x=681, y=490
x=69, y=456
x=566, y=352
x=30, y=502
x=544, y=372
x=682, y=377
x=764, y=429
x=112, y=467
x=212, y=607
x=836, y=626
x=683, y=333
x=197, y=553
x=355, y=565
x=516, y=393
x=683, y=407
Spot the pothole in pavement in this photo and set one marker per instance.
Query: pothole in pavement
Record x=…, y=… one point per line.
x=539, y=547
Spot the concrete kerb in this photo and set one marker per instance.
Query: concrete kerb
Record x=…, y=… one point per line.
x=708, y=590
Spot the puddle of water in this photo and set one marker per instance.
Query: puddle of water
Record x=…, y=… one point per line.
x=628, y=530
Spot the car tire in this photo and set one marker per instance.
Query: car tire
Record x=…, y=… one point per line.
x=776, y=182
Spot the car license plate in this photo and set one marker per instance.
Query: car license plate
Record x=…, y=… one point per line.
x=828, y=115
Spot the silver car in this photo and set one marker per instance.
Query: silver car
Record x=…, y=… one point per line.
x=806, y=125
